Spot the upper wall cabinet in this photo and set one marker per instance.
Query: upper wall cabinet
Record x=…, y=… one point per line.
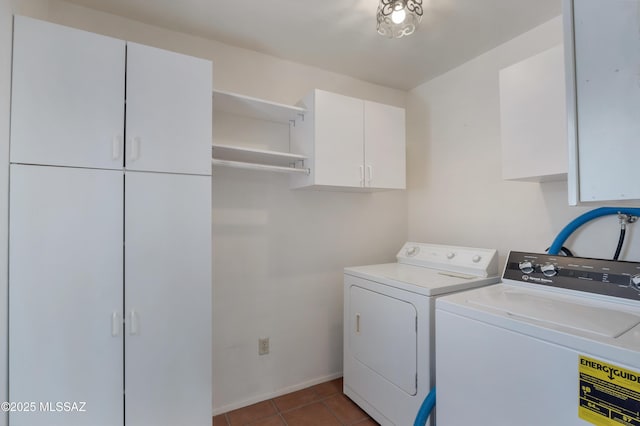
x=168, y=111
x=533, y=118
x=81, y=76
x=350, y=143
x=603, y=98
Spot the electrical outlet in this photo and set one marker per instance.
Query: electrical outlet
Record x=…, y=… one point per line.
x=263, y=346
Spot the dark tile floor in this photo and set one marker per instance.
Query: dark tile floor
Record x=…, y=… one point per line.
x=319, y=405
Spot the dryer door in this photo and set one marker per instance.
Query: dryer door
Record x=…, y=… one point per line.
x=383, y=336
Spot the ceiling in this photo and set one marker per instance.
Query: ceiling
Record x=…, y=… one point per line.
x=340, y=35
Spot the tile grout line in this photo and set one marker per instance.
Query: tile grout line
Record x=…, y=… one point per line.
x=278, y=412
x=332, y=413
x=318, y=397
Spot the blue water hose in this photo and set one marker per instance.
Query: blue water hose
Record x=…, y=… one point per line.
x=584, y=218
x=425, y=409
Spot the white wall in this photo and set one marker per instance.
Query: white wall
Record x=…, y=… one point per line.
x=457, y=195
x=6, y=34
x=278, y=254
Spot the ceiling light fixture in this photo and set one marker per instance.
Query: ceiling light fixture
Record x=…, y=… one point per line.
x=398, y=18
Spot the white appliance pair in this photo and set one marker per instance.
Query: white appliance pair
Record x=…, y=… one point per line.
x=389, y=309
x=557, y=343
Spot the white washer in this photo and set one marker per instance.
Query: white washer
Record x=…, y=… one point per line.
x=557, y=344
x=388, y=324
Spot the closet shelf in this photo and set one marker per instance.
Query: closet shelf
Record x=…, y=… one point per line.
x=257, y=166
x=255, y=108
x=257, y=159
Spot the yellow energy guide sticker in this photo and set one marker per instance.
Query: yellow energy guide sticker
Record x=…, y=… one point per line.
x=609, y=394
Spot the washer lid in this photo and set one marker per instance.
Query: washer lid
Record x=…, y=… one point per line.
x=555, y=312
x=418, y=279
x=609, y=328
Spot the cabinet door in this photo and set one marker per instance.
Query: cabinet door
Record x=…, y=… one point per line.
x=533, y=118
x=65, y=295
x=384, y=148
x=169, y=111
x=604, y=111
x=168, y=299
x=339, y=140
x=607, y=59
x=67, y=101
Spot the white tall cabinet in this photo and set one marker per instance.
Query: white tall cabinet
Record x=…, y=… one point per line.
x=110, y=231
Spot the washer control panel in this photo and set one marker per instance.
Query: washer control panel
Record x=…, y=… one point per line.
x=475, y=262
x=598, y=276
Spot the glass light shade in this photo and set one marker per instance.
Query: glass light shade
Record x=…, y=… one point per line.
x=398, y=18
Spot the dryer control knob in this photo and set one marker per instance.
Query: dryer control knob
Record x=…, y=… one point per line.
x=527, y=266
x=549, y=270
x=477, y=258
x=451, y=255
x=635, y=281
x=412, y=251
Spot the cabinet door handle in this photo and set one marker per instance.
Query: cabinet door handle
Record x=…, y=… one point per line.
x=135, y=148
x=361, y=175
x=133, y=323
x=357, y=323
x=116, y=324
x=116, y=147
x=370, y=170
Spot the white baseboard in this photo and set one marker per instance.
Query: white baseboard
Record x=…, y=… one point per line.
x=270, y=395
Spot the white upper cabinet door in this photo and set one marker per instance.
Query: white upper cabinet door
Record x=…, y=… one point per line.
x=603, y=92
x=169, y=111
x=339, y=140
x=168, y=299
x=533, y=118
x=384, y=148
x=65, y=297
x=67, y=102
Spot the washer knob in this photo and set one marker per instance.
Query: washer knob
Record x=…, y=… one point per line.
x=549, y=270
x=526, y=266
x=635, y=281
x=477, y=258
x=451, y=255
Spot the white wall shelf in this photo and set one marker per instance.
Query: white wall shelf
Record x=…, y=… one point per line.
x=257, y=159
x=260, y=109
x=251, y=158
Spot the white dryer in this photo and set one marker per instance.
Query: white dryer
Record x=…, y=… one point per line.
x=557, y=343
x=388, y=324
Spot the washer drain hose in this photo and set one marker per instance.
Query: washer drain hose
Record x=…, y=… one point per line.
x=426, y=408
